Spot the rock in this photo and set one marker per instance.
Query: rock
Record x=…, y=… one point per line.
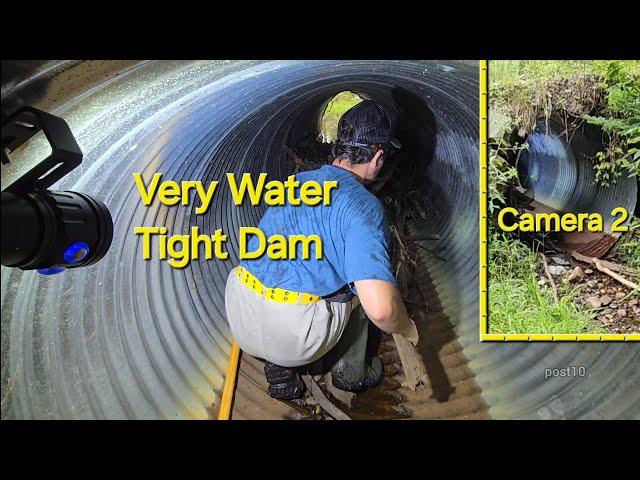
x=588, y=271
x=542, y=281
x=557, y=270
x=633, y=303
x=592, y=302
x=620, y=295
x=592, y=284
x=622, y=312
x=560, y=261
x=605, y=300
x=576, y=275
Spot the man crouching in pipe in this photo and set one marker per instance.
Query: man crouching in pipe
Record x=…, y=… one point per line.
x=292, y=313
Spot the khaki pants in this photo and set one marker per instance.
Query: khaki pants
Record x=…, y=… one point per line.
x=284, y=334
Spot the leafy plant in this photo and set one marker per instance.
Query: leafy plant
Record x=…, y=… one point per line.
x=627, y=248
x=621, y=121
x=501, y=175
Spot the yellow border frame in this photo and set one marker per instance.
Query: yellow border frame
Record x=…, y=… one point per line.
x=485, y=336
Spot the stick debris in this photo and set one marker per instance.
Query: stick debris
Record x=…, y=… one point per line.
x=321, y=398
x=600, y=266
x=546, y=271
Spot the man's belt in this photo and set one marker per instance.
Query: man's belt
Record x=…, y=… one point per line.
x=344, y=295
x=279, y=295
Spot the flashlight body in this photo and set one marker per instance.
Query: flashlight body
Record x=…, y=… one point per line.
x=38, y=227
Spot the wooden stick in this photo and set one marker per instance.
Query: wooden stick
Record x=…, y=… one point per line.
x=414, y=373
x=322, y=399
x=621, y=279
x=546, y=270
x=614, y=267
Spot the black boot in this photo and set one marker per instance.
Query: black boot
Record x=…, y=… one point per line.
x=354, y=377
x=284, y=383
x=351, y=372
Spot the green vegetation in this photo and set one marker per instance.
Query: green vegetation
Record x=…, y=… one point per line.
x=603, y=93
x=335, y=108
x=627, y=249
x=621, y=120
x=515, y=71
x=518, y=304
x=501, y=175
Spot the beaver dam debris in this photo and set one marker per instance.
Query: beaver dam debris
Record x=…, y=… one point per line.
x=398, y=195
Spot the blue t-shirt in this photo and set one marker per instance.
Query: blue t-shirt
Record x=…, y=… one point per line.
x=354, y=232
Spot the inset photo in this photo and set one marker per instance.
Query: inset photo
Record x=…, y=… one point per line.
x=563, y=229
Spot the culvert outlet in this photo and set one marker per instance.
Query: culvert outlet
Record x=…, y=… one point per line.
x=133, y=339
x=557, y=173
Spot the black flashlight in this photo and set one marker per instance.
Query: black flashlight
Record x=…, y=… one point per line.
x=43, y=229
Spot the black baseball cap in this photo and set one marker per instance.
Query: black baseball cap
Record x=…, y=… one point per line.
x=366, y=124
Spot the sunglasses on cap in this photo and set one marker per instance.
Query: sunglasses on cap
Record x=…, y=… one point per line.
x=387, y=147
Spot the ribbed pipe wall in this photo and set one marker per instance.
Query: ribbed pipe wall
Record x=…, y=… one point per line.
x=129, y=338
x=558, y=172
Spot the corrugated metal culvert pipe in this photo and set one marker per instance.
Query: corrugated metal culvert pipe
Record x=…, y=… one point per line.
x=557, y=172
x=128, y=338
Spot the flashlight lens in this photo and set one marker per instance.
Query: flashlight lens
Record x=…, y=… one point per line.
x=51, y=271
x=76, y=252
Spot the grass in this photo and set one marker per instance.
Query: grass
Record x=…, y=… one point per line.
x=523, y=90
x=517, y=304
x=335, y=108
x=507, y=72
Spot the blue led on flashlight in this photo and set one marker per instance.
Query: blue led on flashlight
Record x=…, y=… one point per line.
x=51, y=270
x=76, y=252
